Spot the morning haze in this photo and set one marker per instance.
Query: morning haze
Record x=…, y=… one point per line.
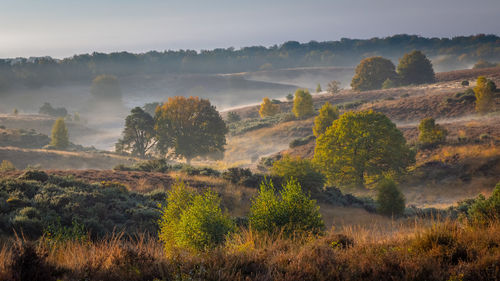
x=250, y=140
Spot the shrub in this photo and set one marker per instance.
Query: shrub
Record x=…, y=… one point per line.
x=302, y=104
x=431, y=133
x=233, y=117
x=244, y=176
x=484, y=95
x=291, y=212
x=389, y=83
x=303, y=170
x=318, y=88
x=301, y=141
x=47, y=109
x=333, y=87
x=390, y=200
x=289, y=97
x=155, y=165
x=6, y=165
x=34, y=175
x=484, y=210
x=193, y=221
x=465, y=83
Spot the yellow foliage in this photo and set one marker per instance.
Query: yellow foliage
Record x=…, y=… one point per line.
x=267, y=108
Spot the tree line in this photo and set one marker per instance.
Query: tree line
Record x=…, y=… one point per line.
x=41, y=71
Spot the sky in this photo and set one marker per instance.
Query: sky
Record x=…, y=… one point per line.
x=62, y=28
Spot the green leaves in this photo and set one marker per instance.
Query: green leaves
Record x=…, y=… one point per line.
x=302, y=104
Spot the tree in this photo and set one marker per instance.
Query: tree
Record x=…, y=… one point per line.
x=106, y=88
x=302, y=104
x=293, y=211
x=15, y=112
x=190, y=127
x=59, y=138
x=138, y=134
x=151, y=107
x=318, y=88
x=388, y=84
x=361, y=146
x=289, y=97
x=431, y=133
x=483, y=64
x=268, y=108
x=47, y=109
x=371, y=73
x=390, y=200
x=484, y=95
x=327, y=114
x=415, y=68
x=333, y=87
x=303, y=170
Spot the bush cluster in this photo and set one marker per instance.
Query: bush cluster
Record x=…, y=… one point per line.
x=36, y=201
x=244, y=176
x=301, y=141
x=247, y=125
x=303, y=170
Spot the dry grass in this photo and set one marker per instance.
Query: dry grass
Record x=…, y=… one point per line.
x=426, y=250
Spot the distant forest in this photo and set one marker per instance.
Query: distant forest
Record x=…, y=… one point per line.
x=445, y=53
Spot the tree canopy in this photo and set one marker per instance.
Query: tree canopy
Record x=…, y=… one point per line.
x=431, y=133
x=190, y=127
x=485, y=94
x=138, y=134
x=106, y=88
x=327, y=114
x=415, y=68
x=302, y=104
x=361, y=147
x=371, y=73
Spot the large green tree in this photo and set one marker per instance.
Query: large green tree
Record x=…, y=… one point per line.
x=361, y=147
x=415, y=68
x=190, y=127
x=371, y=73
x=138, y=135
x=302, y=103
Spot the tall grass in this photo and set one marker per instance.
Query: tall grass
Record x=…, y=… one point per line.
x=437, y=250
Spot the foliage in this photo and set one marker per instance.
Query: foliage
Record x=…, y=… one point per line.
x=415, y=68
x=106, y=88
x=361, y=146
x=333, y=87
x=267, y=108
x=6, y=166
x=150, y=108
x=138, y=134
x=465, y=83
x=155, y=165
x=484, y=210
x=289, y=97
x=244, y=176
x=327, y=114
x=193, y=221
x=484, y=92
x=191, y=127
x=291, y=212
x=371, y=73
x=47, y=109
x=302, y=104
x=233, y=117
x=390, y=200
x=303, y=170
x=36, y=202
x=57, y=233
x=301, y=141
x=59, y=137
x=15, y=112
x=318, y=88
x=431, y=133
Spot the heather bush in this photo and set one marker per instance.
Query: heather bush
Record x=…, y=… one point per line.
x=291, y=212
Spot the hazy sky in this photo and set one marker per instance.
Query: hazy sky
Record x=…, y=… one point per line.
x=61, y=28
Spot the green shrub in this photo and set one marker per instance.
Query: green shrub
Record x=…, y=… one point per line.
x=155, y=165
x=303, y=170
x=291, y=212
x=244, y=176
x=193, y=221
x=233, y=117
x=301, y=141
x=484, y=210
x=390, y=200
x=35, y=175
x=243, y=126
x=431, y=133
x=465, y=83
